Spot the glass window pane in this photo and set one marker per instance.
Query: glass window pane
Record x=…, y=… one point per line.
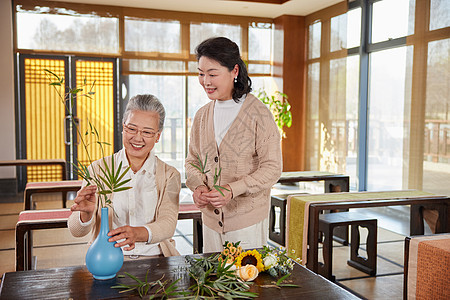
x=391, y=19
x=268, y=84
x=353, y=28
x=314, y=40
x=259, y=68
x=439, y=14
x=260, y=41
x=152, y=35
x=202, y=31
x=436, y=165
x=144, y=65
x=388, y=102
x=81, y=33
x=170, y=91
x=338, y=35
x=312, y=125
x=196, y=99
x=334, y=138
x=351, y=119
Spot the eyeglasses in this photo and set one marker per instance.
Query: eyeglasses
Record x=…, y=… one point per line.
x=134, y=131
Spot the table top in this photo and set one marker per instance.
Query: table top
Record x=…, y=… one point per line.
x=25, y=162
x=287, y=177
x=77, y=282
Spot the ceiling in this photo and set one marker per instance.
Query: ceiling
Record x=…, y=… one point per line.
x=255, y=8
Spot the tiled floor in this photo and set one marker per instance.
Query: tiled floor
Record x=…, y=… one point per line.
x=56, y=247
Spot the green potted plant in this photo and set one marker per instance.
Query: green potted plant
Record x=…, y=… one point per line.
x=279, y=106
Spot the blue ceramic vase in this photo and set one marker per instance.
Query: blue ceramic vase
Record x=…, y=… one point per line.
x=104, y=260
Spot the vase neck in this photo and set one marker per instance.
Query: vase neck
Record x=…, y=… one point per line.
x=104, y=225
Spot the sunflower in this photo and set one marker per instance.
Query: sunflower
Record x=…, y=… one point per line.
x=251, y=257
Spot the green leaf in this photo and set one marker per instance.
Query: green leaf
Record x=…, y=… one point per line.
x=122, y=183
x=48, y=71
x=108, y=184
x=134, y=278
x=106, y=171
x=75, y=91
x=282, y=279
x=288, y=285
x=122, y=189
x=123, y=174
x=116, y=175
x=104, y=192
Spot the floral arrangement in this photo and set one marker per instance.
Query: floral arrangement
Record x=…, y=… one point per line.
x=274, y=261
x=230, y=252
x=227, y=274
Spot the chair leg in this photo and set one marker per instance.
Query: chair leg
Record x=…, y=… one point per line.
x=20, y=249
x=367, y=265
x=197, y=236
x=326, y=269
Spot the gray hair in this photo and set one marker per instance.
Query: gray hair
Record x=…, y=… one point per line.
x=145, y=103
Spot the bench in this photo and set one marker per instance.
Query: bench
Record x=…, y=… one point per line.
x=63, y=187
x=30, y=220
x=328, y=222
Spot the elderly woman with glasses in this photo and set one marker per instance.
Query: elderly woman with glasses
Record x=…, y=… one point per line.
x=144, y=217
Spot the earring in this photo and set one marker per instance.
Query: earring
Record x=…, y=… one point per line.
x=235, y=79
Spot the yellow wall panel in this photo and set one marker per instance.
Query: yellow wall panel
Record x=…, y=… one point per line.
x=44, y=118
x=99, y=110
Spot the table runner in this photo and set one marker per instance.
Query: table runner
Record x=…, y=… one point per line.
x=429, y=267
x=44, y=215
x=298, y=213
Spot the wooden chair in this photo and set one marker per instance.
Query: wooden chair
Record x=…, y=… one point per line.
x=63, y=187
x=328, y=222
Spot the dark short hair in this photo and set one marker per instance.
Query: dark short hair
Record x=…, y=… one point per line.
x=226, y=53
x=145, y=103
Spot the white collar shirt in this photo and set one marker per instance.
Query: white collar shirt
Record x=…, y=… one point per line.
x=137, y=206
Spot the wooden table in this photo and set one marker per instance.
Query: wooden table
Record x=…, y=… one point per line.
x=78, y=283
x=37, y=162
x=50, y=187
x=439, y=203
x=332, y=183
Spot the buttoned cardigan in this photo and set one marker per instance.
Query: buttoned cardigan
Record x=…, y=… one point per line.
x=249, y=158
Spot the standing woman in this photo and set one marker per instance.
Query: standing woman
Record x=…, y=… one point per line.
x=144, y=217
x=234, y=133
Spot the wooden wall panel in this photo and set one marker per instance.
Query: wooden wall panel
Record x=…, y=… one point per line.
x=289, y=65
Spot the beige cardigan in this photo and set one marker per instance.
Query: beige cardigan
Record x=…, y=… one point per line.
x=168, y=186
x=250, y=158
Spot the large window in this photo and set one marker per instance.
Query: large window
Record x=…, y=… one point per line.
x=66, y=31
x=156, y=51
x=391, y=96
